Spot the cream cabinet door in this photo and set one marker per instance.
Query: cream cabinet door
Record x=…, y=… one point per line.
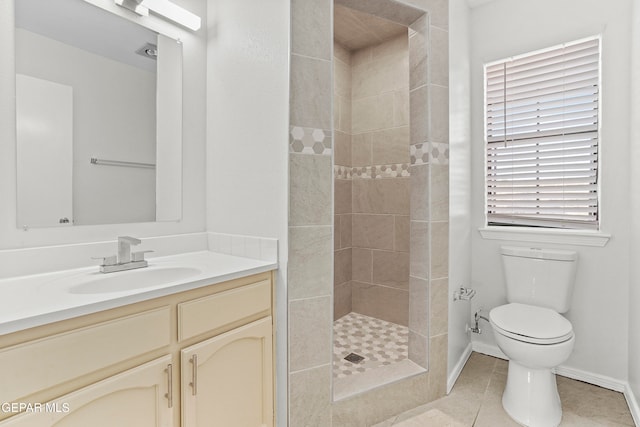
x=227, y=381
x=134, y=398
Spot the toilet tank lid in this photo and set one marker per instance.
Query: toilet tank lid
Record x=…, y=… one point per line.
x=540, y=253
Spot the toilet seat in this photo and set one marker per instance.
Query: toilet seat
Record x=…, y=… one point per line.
x=531, y=324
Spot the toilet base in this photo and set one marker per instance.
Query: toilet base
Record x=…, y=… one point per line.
x=531, y=396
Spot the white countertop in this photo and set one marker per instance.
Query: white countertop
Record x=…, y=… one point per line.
x=39, y=299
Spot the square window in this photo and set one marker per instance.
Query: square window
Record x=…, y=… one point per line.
x=542, y=128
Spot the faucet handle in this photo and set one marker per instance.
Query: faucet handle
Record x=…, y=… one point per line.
x=139, y=256
x=129, y=239
x=107, y=260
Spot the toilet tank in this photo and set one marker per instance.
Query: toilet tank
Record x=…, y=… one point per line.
x=540, y=277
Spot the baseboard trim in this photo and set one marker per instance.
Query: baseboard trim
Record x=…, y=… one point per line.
x=488, y=349
x=457, y=369
x=591, y=378
x=632, y=402
x=565, y=371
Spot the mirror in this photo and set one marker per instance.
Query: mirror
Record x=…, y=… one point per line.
x=98, y=117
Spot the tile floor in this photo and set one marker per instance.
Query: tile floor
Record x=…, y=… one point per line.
x=476, y=401
x=380, y=343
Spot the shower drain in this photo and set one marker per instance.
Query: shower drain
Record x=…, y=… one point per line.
x=354, y=358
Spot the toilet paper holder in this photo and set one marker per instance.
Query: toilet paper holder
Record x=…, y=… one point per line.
x=464, y=294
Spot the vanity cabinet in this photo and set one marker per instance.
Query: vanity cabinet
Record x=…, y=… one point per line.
x=196, y=358
x=228, y=381
x=137, y=397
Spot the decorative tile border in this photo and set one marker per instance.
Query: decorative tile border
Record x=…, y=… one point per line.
x=421, y=154
x=364, y=172
x=342, y=172
x=439, y=153
x=309, y=141
x=397, y=170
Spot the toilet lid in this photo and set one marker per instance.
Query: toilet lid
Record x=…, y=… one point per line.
x=530, y=323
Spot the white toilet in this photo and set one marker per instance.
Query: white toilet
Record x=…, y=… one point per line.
x=531, y=332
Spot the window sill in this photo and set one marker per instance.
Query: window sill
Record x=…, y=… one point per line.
x=537, y=235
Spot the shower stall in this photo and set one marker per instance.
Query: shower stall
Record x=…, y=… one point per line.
x=371, y=202
x=368, y=209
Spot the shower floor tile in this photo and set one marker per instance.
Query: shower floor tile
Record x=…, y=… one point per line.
x=381, y=343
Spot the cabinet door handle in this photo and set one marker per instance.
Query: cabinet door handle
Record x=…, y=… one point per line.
x=169, y=394
x=194, y=374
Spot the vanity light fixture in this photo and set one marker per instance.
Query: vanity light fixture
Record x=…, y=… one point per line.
x=149, y=50
x=164, y=8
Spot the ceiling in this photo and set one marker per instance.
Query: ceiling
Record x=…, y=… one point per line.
x=356, y=30
x=80, y=24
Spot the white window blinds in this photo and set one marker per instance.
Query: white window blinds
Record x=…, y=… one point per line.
x=542, y=138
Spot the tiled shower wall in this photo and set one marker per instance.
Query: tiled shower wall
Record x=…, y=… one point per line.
x=310, y=263
x=380, y=180
x=343, y=207
x=371, y=181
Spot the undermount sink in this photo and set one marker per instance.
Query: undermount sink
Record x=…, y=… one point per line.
x=132, y=279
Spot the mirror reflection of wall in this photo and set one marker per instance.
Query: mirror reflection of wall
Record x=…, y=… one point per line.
x=87, y=86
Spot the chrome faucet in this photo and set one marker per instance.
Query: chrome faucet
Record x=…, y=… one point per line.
x=125, y=260
x=124, y=248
